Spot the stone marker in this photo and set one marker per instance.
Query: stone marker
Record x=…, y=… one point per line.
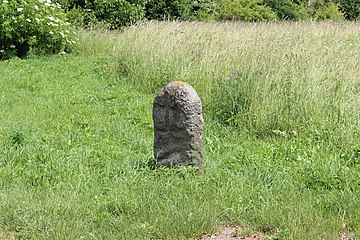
x=178, y=123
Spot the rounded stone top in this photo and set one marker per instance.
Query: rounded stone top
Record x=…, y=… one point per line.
x=179, y=91
x=174, y=86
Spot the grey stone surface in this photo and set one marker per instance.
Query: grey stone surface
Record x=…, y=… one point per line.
x=178, y=123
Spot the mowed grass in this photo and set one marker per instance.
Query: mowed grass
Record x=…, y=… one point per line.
x=281, y=134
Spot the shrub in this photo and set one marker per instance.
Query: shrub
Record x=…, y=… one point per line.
x=288, y=10
x=81, y=17
x=327, y=10
x=248, y=10
x=181, y=9
x=70, y=4
x=113, y=14
x=172, y=9
x=205, y=9
x=33, y=24
x=350, y=8
x=116, y=14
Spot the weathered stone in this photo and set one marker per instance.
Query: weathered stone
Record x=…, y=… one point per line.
x=178, y=123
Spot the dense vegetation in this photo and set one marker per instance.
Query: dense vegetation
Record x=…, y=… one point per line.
x=118, y=13
x=37, y=25
x=281, y=141
x=44, y=26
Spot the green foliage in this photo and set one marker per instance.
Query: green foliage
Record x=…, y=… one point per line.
x=173, y=9
x=288, y=9
x=70, y=4
x=117, y=13
x=335, y=9
x=248, y=10
x=81, y=17
x=328, y=10
x=33, y=24
x=112, y=14
x=181, y=9
x=350, y=8
x=205, y=9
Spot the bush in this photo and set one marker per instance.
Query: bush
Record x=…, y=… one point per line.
x=181, y=9
x=33, y=24
x=81, y=17
x=70, y=4
x=325, y=9
x=350, y=8
x=248, y=10
x=116, y=14
x=205, y=9
x=172, y=9
x=113, y=14
x=288, y=10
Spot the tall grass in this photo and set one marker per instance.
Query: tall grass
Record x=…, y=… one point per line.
x=264, y=77
x=281, y=134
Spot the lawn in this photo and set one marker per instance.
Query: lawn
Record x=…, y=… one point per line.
x=281, y=134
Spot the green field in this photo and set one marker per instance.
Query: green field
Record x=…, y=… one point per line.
x=281, y=134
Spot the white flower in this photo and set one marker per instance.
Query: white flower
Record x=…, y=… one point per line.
x=4, y=1
x=28, y=20
x=51, y=32
x=19, y=9
x=52, y=24
x=62, y=35
x=36, y=7
x=12, y=46
x=47, y=2
x=51, y=18
x=38, y=20
x=1, y=51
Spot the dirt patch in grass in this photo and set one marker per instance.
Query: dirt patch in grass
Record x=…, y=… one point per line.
x=236, y=232
x=232, y=232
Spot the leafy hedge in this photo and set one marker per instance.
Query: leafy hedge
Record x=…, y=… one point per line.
x=181, y=9
x=289, y=10
x=350, y=8
x=120, y=13
x=327, y=10
x=247, y=10
x=33, y=24
x=113, y=14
